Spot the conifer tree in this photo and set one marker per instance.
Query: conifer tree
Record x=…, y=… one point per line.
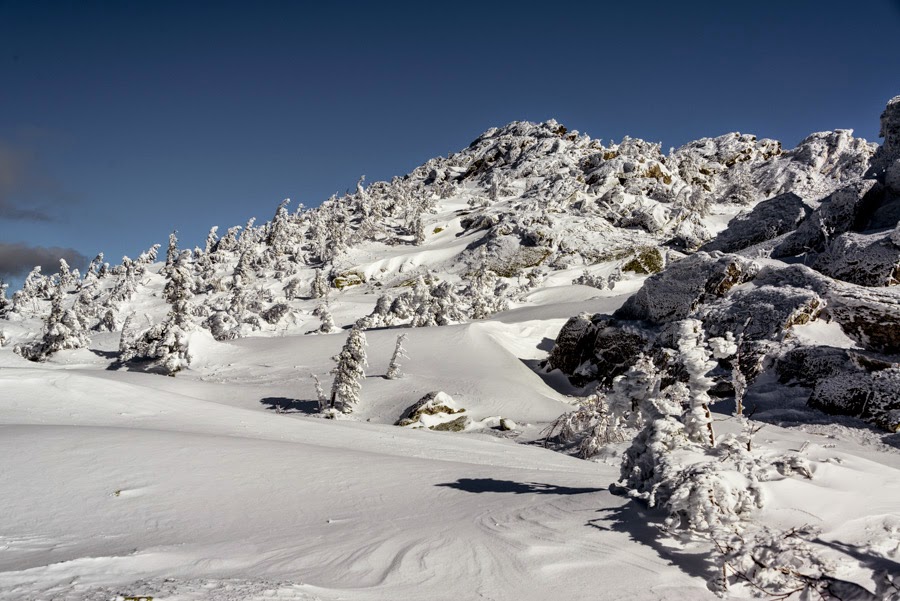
x=62, y=330
x=324, y=314
x=171, y=251
x=5, y=304
x=211, y=240
x=393, y=371
x=348, y=372
x=319, y=288
x=696, y=359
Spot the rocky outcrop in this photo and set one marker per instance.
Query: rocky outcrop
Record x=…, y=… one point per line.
x=871, y=316
x=847, y=209
x=433, y=411
x=864, y=259
x=677, y=291
x=871, y=396
x=597, y=348
x=768, y=220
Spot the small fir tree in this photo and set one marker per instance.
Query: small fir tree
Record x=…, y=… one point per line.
x=348, y=372
x=393, y=371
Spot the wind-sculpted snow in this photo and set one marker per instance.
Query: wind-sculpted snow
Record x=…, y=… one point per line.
x=728, y=272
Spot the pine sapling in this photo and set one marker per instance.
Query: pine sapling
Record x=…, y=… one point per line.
x=393, y=371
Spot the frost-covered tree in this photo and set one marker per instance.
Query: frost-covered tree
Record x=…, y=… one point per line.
x=171, y=251
x=629, y=399
x=278, y=235
x=126, y=283
x=62, y=330
x=5, y=304
x=127, y=337
x=393, y=371
x=696, y=359
x=481, y=291
x=319, y=287
x=65, y=277
x=350, y=369
x=212, y=240
x=321, y=397
x=165, y=345
x=324, y=314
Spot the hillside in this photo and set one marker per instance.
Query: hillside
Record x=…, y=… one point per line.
x=664, y=370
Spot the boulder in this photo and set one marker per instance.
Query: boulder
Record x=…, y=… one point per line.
x=433, y=409
x=870, y=316
x=598, y=348
x=873, y=397
x=864, y=259
x=769, y=219
x=846, y=209
x=674, y=293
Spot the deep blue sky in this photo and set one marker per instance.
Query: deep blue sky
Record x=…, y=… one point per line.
x=120, y=121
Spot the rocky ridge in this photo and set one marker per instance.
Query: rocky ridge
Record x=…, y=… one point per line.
x=789, y=262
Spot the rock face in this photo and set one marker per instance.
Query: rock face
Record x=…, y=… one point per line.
x=871, y=316
x=768, y=220
x=597, y=348
x=677, y=291
x=844, y=210
x=864, y=259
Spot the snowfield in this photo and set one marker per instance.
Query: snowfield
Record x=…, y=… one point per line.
x=623, y=375
x=121, y=483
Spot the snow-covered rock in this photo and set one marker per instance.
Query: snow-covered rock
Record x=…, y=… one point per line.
x=674, y=293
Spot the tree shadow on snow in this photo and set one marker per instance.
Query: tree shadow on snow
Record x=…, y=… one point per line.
x=285, y=405
x=876, y=563
x=480, y=485
x=642, y=525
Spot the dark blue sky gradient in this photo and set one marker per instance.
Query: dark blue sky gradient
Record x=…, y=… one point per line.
x=128, y=119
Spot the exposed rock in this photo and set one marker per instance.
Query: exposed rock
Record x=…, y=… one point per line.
x=871, y=316
x=806, y=365
x=436, y=405
x=761, y=312
x=507, y=425
x=571, y=347
x=847, y=209
x=890, y=131
x=864, y=259
x=769, y=219
x=647, y=260
x=674, y=293
x=597, y=348
x=457, y=425
x=874, y=397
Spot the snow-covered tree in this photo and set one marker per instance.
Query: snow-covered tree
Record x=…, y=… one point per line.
x=212, y=239
x=393, y=371
x=320, y=394
x=62, y=330
x=127, y=337
x=165, y=345
x=171, y=251
x=320, y=287
x=5, y=304
x=696, y=359
x=348, y=372
x=482, y=289
x=324, y=314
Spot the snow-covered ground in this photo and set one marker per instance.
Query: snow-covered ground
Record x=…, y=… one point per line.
x=123, y=483
x=225, y=482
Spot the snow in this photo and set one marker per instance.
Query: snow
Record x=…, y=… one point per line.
x=130, y=483
x=226, y=482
